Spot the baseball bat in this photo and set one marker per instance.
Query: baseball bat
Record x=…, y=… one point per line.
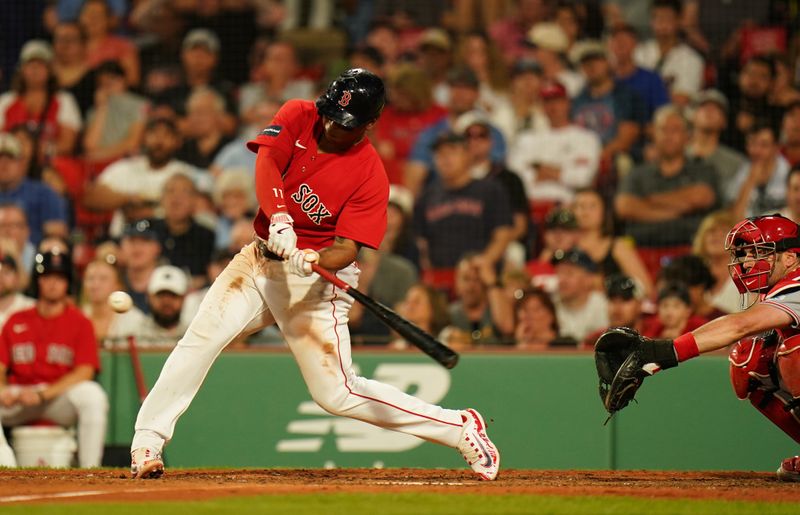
x=138, y=376
x=441, y=353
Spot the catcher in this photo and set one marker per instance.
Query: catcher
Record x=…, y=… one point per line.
x=765, y=357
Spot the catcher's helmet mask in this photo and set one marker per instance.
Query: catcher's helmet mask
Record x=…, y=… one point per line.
x=753, y=244
x=354, y=98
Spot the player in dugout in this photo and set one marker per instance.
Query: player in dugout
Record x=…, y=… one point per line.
x=322, y=193
x=48, y=360
x=765, y=355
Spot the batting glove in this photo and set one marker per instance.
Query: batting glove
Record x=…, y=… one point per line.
x=282, y=239
x=300, y=262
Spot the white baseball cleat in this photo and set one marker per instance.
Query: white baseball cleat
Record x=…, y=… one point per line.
x=146, y=463
x=476, y=448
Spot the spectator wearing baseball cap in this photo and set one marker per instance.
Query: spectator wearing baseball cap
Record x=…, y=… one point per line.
x=580, y=308
x=464, y=94
x=166, y=292
x=520, y=111
x=459, y=214
x=199, y=68
x=608, y=108
x=626, y=300
x=548, y=44
x=45, y=210
x=558, y=233
x=140, y=251
x=435, y=55
x=647, y=83
x=555, y=162
x=476, y=128
x=709, y=118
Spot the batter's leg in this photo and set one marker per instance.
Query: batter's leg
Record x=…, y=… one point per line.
x=314, y=321
x=86, y=404
x=234, y=304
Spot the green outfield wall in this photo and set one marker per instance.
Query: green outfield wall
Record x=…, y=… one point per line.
x=543, y=411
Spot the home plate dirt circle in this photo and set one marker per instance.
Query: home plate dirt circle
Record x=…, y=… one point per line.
x=61, y=486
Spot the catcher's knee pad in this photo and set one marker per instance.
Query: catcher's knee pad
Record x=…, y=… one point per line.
x=750, y=360
x=787, y=360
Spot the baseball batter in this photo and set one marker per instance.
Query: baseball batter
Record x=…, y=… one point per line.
x=765, y=357
x=50, y=355
x=322, y=193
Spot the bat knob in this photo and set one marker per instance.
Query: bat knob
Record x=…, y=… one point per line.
x=450, y=361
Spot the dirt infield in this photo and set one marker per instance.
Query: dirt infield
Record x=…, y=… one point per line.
x=25, y=486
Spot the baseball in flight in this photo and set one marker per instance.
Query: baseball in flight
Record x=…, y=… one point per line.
x=120, y=301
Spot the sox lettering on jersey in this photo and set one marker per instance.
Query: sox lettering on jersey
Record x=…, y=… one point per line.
x=310, y=203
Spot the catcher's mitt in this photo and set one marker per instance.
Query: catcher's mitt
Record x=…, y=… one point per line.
x=624, y=358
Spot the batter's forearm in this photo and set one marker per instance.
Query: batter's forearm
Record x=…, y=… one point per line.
x=269, y=184
x=339, y=255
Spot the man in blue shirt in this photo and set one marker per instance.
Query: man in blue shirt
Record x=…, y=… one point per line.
x=646, y=83
x=612, y=110
x=45, y=209
x=464, y=92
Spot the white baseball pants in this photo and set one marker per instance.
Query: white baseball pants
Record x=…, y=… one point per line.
x=253, y=292
x=85, y=403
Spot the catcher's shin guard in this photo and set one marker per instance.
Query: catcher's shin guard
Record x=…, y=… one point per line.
x=773, y=406
x=787, y=360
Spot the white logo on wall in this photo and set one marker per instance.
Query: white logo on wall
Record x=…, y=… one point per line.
x=428, y=382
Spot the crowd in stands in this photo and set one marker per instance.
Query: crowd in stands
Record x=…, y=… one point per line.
x=557, y=166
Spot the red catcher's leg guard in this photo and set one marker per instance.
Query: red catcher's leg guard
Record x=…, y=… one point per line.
x=772, y=408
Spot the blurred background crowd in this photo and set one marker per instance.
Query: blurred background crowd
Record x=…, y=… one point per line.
x=556, y=166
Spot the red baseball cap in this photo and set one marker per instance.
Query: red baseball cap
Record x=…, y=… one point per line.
x=553, y=89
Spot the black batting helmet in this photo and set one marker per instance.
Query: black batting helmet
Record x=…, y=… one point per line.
x=354, y=98
x=52, y=262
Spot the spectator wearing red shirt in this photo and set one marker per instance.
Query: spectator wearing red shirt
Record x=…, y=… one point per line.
x=674, y=316
x=48, y=358
x=410, y=112
x=35, y=100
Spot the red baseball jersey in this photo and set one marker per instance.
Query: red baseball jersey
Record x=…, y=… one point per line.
x=327, y=195
x=42, y=350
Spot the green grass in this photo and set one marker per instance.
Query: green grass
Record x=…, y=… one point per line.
x=412, y=504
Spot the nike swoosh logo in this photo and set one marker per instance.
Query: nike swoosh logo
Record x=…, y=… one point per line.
x=280, y=205
x=281, y=230
x=488, y=461
x=297, y=144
